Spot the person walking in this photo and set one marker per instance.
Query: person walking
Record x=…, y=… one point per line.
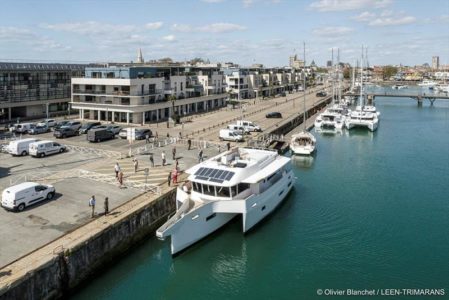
x=189, y=144
x=219, y=148
x=175, y=176
x=147, y=139
x=116, y=169
x=169, y=178
x=106, y=206
x=92, y=205
x=228, y=145
x=120, y=179
x=200, y=155
x=152, y=160
x=136, y=165
x=174, y=152
x=163, y=158
x=177, y=164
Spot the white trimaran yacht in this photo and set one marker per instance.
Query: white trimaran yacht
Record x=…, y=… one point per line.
x=245, y=181
x=360, y=117
x=303, y=143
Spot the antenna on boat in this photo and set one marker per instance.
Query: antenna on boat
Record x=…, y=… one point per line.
x=305, y=85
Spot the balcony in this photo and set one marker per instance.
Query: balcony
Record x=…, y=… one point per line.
x=117, y=93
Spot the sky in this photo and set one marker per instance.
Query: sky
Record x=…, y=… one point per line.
x=407, y=32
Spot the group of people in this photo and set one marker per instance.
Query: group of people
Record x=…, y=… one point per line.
x=92, y=203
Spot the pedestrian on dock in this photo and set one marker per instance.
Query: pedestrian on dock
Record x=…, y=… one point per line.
x=106, y=206
x=157, y=135
x=163, y=158
x=189, y=144
x=174, y=152
x=200, y=156
x=152, y=160
x=116, y=169
x=92, y=205
x=147, y=139
x=228, y=145
x=169, y=178
x=120, y=179
x=219, y=148
x=177, y=164
x=136, y=165
x=174, y=176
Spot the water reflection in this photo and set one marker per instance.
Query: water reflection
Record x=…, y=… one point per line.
x=329, y=131
x=303, y=162
x=360, y=132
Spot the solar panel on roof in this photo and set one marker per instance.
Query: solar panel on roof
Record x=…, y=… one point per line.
x=208, y=172
x=229, y=176
x=214, y=172
x=216, y=180
x=198, y=171
x=219, y=174
x=202, y=178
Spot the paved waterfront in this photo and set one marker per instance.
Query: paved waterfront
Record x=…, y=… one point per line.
x=42, y=223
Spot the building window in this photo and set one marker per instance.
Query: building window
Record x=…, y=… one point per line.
x=124, y=101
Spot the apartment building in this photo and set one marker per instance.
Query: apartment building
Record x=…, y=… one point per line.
x=141, y=94
x=35, y=90
x=237, y=83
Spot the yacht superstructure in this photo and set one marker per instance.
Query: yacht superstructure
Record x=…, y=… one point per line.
x=245, y=181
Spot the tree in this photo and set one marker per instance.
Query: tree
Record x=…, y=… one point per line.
x=388, y=71
x=346, y=73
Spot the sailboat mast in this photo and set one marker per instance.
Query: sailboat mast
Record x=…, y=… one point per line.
x=305, y=86
x=361, y=81
x=338, y=76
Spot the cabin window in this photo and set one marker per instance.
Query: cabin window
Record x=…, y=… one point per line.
x=223, y=192
x=196, y=187
x=242, y=187
x=208, y=190
x=210, y=217
x=234, y=191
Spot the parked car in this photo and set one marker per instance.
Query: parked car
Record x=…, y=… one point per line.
x=321, y=94
x=123, y=134
x=61, y=123
x=50, y=122
x=23, y=127
x=39, y=128
x=64, y=132
x=283, y=94
x=238, y=129
x=273, y=115
x=20, y=147
x=19, y=196
x=142, y=133
x=99, y=134
x=230, y=135
x=87, y=126
x=43, y=148
x=300, y=89
x=248, y=125
x=75, y=125
x=114, y=128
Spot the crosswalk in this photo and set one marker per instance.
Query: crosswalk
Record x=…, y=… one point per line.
x=156, y=175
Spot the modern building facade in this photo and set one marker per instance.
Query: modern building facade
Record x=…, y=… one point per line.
x=35, y=90
x=435, y=62
x=142, y=94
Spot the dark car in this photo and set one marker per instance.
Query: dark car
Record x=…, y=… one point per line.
x=99, y=134
x=321, y=94
x=87, y=126
x=61, y=123
x=273, y=115
x=283, y=94
x=142, y=133
x=64, y=132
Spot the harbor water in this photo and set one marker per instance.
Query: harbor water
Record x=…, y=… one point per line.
x=368, y=211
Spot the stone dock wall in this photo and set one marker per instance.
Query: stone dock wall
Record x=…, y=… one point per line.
x=52, y=274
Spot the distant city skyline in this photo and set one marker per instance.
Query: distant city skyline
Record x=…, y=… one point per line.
x=241, y=31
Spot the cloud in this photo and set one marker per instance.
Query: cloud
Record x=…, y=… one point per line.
x=332, y=31
x=15, y=33
x=210, y=28
x=247, y=3
x=98, y=28
x=153, y=26
x=392, y=21
x=169, y=38
x=343, y=5
x=444, y=18
x=212, y=1
x=364, y=17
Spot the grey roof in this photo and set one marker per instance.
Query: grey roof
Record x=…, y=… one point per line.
x=42, y=66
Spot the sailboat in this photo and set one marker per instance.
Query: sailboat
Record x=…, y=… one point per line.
x=361, y=117
x=303, y=143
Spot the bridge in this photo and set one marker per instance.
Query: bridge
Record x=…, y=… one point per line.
x=418, y=97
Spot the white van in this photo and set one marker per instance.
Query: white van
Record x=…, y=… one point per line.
x=43, y=148
x=24, y=127
x=20, y=147
x=238, y=129
x=230, y=135
x=19, y=196
x=249, y=126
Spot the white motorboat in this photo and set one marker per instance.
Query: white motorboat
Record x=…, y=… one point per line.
x=399, y=86
x=368, y=108
x=329, y=120
x=428, y=84
x=245, y=181
x=303, y=143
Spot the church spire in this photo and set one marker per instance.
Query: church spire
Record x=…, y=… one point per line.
x=139, y=56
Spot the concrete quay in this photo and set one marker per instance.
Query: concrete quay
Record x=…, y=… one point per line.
x=71, y=246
